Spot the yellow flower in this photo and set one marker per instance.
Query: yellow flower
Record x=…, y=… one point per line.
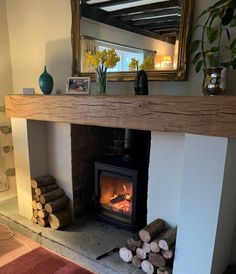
x=148, y=64
x=104, y=59
x=133, y=65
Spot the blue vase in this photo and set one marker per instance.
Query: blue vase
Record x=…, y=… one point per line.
x=46, y=82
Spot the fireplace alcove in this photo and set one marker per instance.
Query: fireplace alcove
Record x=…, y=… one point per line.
x=194, y=183
x=100, y=153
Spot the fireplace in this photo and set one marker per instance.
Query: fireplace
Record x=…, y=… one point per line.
x=118, y=199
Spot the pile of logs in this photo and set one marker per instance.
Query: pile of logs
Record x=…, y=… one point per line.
x=49, y=203
x=152, y=248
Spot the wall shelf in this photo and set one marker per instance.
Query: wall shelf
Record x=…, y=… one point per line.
x=212, y=115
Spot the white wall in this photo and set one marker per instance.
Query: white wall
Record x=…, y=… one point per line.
x=59, y=156
x=227, y=217
x=108, y=33
x=203, y=173
x=5, y=63
x=42, y=36
x=6, y=87
x=165, y=176
x=39, y=34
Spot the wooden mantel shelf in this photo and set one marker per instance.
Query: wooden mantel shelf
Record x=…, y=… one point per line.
x=213, y=115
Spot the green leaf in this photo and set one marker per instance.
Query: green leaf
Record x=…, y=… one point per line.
x=234, y=50
x=196, y=58
x=194, y=46
x=214, y=14
x=232, y=44
x=215, y=49
x=211, y=34
x=212, y=61
x=208, y=53
x=218, y=3
x=199, y=65
x=225, y=65
x=228, y=16
x=233, y=22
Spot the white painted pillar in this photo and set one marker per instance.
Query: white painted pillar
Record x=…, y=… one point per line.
x=165, y=176
x=22, y=166
x=201, y=196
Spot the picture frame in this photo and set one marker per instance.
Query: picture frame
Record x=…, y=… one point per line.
x=78, y=85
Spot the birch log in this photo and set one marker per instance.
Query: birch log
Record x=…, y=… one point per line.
x=164, y=270
x=125, y=254
x=141, y=253
x=43, y=181
x=52, y=195
x=168, y=239
x=147, y=267
x=136, y=261
x=157, y=259
x=150, y=231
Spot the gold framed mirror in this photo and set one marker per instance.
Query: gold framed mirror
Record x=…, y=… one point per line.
x=157, y=28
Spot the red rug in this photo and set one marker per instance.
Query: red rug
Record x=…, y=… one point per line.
x=42, y=261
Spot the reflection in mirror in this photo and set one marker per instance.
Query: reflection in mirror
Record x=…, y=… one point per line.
x=154, y=32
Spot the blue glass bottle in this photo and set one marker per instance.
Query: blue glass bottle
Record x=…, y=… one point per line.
x=46, y=82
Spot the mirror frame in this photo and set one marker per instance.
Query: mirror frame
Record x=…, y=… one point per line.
x=179, y=74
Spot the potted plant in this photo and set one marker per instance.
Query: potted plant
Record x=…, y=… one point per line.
x=215, y=50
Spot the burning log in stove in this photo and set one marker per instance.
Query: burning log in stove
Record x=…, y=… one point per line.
x=120, y=202
x=140, y=252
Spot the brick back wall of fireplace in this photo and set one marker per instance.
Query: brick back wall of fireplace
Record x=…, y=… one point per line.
x=89, y=144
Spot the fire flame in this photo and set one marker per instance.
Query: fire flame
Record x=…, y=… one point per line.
x=125, y=205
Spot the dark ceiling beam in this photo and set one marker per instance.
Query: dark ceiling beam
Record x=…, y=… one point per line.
x=164, y=20
x=144, y=14
x=148, y=7
x=160, y=27
x=102, y=16
x=169, y=30
x=111, y=3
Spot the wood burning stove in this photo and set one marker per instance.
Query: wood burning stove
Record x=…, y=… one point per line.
x=118, y=197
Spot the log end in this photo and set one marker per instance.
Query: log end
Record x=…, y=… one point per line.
x=144, y=236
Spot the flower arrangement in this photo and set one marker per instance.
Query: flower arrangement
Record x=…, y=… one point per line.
x=101, y=61
x=148, y=64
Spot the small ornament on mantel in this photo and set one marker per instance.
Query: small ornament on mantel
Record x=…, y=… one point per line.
x=141, y=83
x=141, y=79
x=46, y=82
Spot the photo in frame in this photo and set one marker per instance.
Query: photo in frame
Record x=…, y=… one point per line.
x=78, y=85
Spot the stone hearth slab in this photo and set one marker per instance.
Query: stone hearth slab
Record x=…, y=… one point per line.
x=81, y=242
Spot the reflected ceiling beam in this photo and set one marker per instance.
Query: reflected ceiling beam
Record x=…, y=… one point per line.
x=144, y=14
x=169, y=30
x=164, y=20
x=102, y=16
x=160, y=26
x=146, y=8
x=111, y=3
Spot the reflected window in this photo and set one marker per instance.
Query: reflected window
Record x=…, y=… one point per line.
x=125, y=56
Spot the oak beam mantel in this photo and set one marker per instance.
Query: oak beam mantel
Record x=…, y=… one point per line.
x=212, y=115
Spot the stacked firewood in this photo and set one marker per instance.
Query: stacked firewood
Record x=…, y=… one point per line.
x=49, y=203
x=152, y=248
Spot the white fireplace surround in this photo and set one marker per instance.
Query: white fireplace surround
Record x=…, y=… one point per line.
x=191, y=184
